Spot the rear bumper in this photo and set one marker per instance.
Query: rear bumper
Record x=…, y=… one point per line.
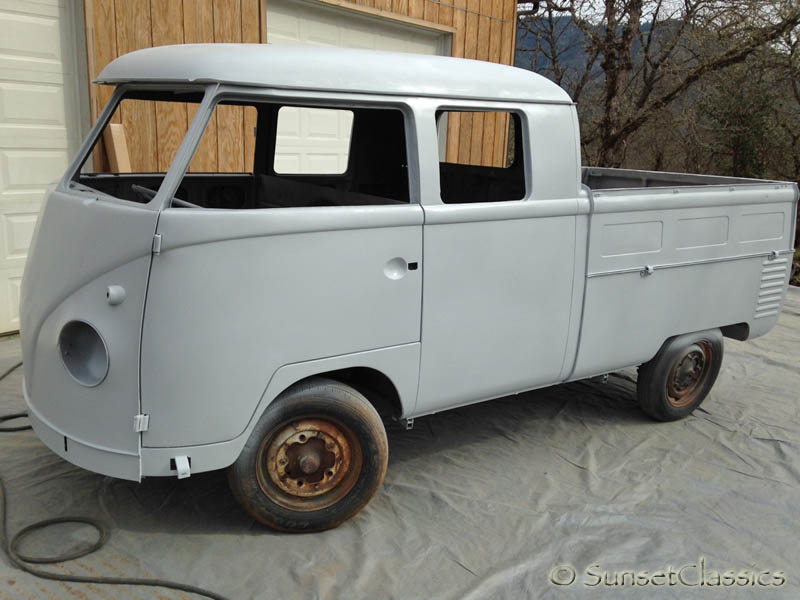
x=101, y=460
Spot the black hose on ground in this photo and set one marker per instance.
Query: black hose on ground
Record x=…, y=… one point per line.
x=13, y=416
x=20, y=560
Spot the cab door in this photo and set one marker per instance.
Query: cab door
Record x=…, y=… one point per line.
x=498, y=273
x=323, y=263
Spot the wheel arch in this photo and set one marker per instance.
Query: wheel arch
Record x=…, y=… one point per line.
x=387, y=377
x=394, y=369
x=653, y=383
x=376, y=386
x=737, y=331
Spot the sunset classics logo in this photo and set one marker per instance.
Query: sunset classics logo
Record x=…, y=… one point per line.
x=696, y=574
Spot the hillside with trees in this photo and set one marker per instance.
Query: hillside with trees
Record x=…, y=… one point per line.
x=706, y=86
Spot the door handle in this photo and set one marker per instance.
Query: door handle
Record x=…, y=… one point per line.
x=397, y=268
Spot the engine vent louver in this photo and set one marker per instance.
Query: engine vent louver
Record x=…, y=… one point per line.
x=773, y=286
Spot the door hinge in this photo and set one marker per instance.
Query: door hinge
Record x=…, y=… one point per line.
x=157, y=243
x=141, y=423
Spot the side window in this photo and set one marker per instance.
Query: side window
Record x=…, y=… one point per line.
x=324, y=156
x=480, y=156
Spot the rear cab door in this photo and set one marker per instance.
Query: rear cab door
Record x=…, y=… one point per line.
x=500, y=251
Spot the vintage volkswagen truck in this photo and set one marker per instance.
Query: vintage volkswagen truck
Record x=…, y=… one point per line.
x=184, y=321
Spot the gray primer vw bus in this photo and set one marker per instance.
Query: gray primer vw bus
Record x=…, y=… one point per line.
x=180, y=322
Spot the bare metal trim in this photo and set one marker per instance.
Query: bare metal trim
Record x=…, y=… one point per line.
x=688, y=263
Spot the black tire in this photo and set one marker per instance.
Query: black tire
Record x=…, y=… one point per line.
x=314, y=459
x=679, y=377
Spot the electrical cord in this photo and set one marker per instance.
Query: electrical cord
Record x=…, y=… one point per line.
x=14, y=416
x=23, y=561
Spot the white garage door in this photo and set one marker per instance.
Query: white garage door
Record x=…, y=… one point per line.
x=317, y=141
x=34, y=139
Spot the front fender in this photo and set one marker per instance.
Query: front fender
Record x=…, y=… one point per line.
x=399, y=363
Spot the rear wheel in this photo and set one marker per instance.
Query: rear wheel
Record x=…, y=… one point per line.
x=679, y=377
x=314, y=459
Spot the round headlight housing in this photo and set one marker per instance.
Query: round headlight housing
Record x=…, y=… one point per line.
x=84, y=353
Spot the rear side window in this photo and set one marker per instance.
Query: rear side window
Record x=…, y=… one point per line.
x=480, y=156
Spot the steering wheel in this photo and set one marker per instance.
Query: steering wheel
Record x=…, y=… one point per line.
x=148, y=194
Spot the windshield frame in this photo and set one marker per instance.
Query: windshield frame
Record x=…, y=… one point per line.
x=69, y=182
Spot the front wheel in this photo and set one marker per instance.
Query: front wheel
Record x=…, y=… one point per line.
x=679, y=377
x=314, y=459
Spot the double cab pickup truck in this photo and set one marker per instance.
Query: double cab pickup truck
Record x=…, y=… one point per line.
x=270, y=249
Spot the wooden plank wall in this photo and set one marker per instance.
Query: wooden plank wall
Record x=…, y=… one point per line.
x=482, y=29
x=155, y=130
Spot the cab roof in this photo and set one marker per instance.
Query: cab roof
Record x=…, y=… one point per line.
x=332, y=70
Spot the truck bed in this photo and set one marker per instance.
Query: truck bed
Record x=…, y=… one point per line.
x=672, y=253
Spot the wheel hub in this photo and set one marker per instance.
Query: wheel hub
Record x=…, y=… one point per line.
x=688, y=374
x=308, y=459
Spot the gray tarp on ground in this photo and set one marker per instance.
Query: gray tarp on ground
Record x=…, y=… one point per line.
x=479, y=502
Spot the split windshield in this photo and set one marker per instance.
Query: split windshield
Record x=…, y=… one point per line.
x=252, y=154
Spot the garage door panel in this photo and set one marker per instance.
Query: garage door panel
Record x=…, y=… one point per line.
x=322, y=163
x=30, y=103
x=321, y=124
x=21, y=169
x=34, y=140
x=11, y=70
x=9, y=302
x=419, y=47
x=281, y=27
x=18, y=229
x=287, y=163
x=26, y=137
x=31, y=38
x=358, y=37
x=322, y=34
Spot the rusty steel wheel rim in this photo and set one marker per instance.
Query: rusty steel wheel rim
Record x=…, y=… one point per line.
x=689, y=374
x=308, y=464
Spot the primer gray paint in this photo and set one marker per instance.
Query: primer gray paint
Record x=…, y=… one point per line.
x=235, y=306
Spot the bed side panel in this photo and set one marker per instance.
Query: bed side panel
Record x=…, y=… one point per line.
x=666, y=262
